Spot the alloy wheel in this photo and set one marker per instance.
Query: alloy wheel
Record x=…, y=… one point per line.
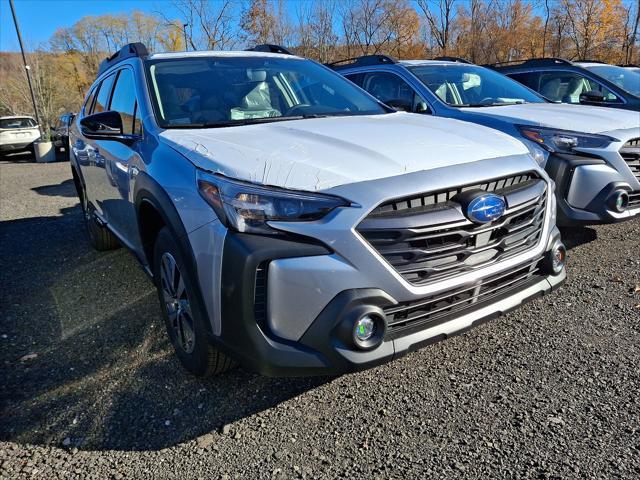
x=176, y=302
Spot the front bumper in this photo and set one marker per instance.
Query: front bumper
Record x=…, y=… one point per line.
x=585, y=187
x=250, y=334
x=15, y=147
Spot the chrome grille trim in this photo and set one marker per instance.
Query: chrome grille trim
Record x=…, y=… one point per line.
x=630, y=152
x=441, y=196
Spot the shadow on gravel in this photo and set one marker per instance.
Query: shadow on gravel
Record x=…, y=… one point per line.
x=64, y=189
x=84, y=357
x=575, y=236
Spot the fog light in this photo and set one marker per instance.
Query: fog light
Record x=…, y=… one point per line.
x=368, y=330
x=365, y=328
x=620, y=201
x=556, y=258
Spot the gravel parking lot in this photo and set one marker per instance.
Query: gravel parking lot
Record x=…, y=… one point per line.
x=89, y=387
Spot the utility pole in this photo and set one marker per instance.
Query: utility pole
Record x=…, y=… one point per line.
x=184, y=30
x=26, y=66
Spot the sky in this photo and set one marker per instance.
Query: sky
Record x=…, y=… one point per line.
x=38, y=19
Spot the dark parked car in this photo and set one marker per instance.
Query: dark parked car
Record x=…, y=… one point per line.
x=583, y=82
x=60, y=131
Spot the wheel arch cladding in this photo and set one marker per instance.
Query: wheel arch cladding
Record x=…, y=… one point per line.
x=154, y=211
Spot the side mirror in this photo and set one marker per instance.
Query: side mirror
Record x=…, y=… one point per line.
x=400, y=104
x=591, y=96
x=105, y=126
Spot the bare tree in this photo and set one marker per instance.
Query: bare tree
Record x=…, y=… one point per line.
x=440, y=16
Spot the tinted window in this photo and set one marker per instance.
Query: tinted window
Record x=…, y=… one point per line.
x=387, y=87
x=87, y=104
x=625, y=78
x=123, y=100
x=17, y=123
x=462, y=85
x=222, y=91
x=529, y=79
x=356, y=78
x=566, y=87
x=102, y=98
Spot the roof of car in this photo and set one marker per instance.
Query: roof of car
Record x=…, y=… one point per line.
x=589, y=64
x=9, y=117
x=428, y=62
x=218, y=53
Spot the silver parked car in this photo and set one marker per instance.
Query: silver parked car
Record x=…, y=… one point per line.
x=296, y=225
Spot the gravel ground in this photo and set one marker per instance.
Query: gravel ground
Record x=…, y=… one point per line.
x=89, y=387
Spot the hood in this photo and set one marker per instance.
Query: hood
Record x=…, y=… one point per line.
x=579, y=118
x=317, y=154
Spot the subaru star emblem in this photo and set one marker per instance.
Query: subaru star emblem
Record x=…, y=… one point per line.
x=485, y=208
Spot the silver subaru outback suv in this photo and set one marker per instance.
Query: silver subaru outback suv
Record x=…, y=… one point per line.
x=294, y=224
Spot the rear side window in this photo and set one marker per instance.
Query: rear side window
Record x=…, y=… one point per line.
x=89, y=102
x=123, y=100
x=356, y=78
x=387, y=87
x=566, y=87
x=17, y=123
x=529, y=79
x=102, y=99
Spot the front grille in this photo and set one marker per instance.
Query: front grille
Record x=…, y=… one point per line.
x=409, y=204
x=408, y=317
x=422, y=242
x=630, y=152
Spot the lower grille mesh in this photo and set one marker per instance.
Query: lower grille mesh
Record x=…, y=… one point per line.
x=407, y=317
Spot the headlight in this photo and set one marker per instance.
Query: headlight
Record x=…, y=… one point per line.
x=539, y=154
x=563, y=141
x=246, y=207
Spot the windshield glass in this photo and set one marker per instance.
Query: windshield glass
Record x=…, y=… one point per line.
x=626, y=78
x=209, y=91
x=17, y=123
x=462, y=85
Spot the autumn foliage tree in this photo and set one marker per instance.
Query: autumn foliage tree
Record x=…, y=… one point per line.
x=482, y=31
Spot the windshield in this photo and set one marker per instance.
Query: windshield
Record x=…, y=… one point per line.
x=225, y=91
x=626, y=78
x=17, y=123
x=462, y=85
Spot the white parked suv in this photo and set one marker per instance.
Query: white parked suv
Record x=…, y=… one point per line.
x=18, y=134
x=295, y=224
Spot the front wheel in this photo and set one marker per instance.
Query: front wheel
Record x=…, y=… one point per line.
x=184, y=316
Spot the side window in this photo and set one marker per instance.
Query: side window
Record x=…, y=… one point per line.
x=356, y=78
x=123, y=100
x=102, y=99
x=388, y=87
x=566, y=87
x=89, y=102
x=530, y=79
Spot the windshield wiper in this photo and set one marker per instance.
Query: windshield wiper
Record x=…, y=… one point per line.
x=480, y=105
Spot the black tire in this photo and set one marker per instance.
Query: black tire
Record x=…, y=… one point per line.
x=194, y=349
x=100, y=237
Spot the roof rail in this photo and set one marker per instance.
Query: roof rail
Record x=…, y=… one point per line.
x=269, y=48
x=629, y=65
x=446, y=58
x=590, y=61
x=361, y=61
x=532, y=62
x=130, y=50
